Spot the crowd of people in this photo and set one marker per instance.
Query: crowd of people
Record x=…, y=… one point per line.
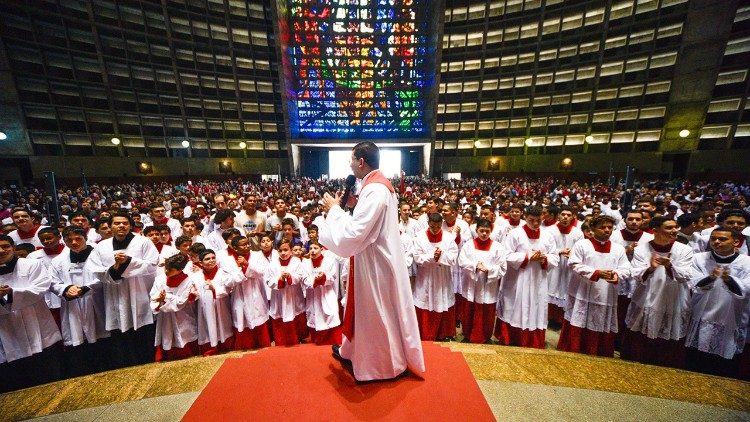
x=137, y=273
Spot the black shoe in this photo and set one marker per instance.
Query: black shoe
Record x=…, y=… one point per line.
x=337, y=354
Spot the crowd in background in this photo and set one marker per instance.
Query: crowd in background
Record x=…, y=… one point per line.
x=232, y=265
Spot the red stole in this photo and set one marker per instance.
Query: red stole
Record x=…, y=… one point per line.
x=210, y=274
x=376, y=176
x=564, y=230
x=532, y=234
x=661, y=248
x=29, y=234
x=321, y=278
x=234, y=255
x=482, y=245
x=631, y=237
x=175, y=280
x=601, y=247
x=434, y=237
x=55, y=250
x=159, y=246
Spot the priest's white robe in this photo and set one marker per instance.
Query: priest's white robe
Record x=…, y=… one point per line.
x=386, y=338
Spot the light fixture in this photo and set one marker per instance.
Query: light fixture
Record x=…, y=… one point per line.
x=684, y=133
x=566, y=163
x=493, y=164
x=529, y=142
x=3, y=136
x=477, y=144
x=589, y=138
x=144, y=167
x=185, y=143
x=243, y=145
x=116, y=141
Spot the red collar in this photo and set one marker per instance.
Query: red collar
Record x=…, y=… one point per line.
x=162, y=221
x=564, y=230
x=268, y=255
x=661, y=248
x=601, y=247
x=532, y=234
x=449, y=224
x=434, y=238
x=55, y=250
x=377, y=177
x=628, y=236
x=29, y=234
x=317, y=261
x=517, y=222
x=175, y=280
x=551, y=222
x=210, y=274
x=482, y=245
x=285, y=262
x=649, y=230
x=159, y=246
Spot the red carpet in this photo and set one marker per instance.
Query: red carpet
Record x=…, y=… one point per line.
x=306, y=383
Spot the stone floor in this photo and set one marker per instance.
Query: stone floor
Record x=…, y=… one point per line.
x=518, y=383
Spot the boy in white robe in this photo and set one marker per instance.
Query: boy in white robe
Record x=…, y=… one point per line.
x=659, y=312
x=435, y=253
x=522, y=299
x=27, y=227
x=321, y=278
x=284, y=276
x=599, y=264
x=483, y=264
x=165, y=250
x=721, y=291
x=30, y=342
x=173, y=299
x=215, y=330
x=460, y=230
x=52, y=246
x=249, y=295
x=566, y=235
x=82, y=308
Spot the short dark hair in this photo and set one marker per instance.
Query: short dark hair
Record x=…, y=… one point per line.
x=176, y=262
x=6, y=238
x=150, y=229
x=601, y=219
x=435, y=217
x=222, y=215
x=369, y=152
x=182, y=239
x=43, y=230
x=482, y=222
x=736, y=235
x=657, y=221
x=534, y=211
x=71, y=230
x=688, y=219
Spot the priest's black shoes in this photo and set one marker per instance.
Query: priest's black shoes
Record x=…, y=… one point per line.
x=337, y=354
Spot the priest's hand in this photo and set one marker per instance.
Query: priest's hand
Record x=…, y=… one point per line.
x=481, y=267
x=5, y=289
x=329, y=201
x=437, y=254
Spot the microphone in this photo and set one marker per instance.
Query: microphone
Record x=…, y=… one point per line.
x=350, y=180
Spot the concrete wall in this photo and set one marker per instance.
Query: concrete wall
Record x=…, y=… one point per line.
x=645, y=162
x=70, y=167
x=734, y=164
